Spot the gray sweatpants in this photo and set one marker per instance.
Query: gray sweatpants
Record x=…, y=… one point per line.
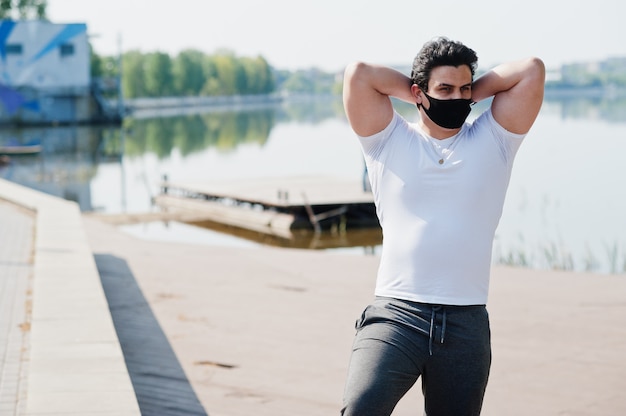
x=398, y=341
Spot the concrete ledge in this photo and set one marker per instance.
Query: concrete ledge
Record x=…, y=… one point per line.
x=76, y=363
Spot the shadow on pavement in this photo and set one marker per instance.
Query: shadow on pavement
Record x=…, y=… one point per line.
x=160, y=384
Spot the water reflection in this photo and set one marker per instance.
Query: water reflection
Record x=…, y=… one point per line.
x=99, y=166
x=223, y=129
x=194, y=133
x=310, y=110
x=580, y=105
x=67, y=162
x=368, y=238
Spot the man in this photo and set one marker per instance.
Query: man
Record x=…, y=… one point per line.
x=439, y=187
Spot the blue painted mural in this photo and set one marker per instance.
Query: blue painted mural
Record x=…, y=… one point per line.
x=26, y=65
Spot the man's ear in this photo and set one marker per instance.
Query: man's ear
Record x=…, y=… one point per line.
x=417, y=93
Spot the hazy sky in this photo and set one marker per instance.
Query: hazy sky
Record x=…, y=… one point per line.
x=328, y=34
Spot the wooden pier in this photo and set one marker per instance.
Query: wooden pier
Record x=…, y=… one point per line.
x=275, y=206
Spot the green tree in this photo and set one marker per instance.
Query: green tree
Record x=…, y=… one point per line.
x=188, y=73
x=300, y=82
x=258, y=75
x=265, y=76
x=133, y=78
x=23, y=9
x=310, y=81
x=158, y=74
x=96, y=63
x=103, y=66
x=211, y=82
x=226, y=70
x=241, y=77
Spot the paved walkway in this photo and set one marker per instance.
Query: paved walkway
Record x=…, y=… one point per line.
x=160, y=384
x=16, y=267
x=61, y=353
x=264, y=331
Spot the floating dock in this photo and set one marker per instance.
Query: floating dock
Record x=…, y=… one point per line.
x=275, y=206
x=18, y=150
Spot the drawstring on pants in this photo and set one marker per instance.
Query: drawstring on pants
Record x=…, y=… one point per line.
x=432, y=327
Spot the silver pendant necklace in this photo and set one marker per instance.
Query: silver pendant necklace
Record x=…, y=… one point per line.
x=445, y=153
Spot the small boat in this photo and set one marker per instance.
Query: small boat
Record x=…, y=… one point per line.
x=16, y=150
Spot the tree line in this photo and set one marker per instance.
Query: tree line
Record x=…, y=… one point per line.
x=23, y=9
x=188, y=73
x=604, y=73
x=157, y=74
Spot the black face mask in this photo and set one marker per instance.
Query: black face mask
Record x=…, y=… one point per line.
x=449, y=114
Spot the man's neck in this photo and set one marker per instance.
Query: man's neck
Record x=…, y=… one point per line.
x=435, y=131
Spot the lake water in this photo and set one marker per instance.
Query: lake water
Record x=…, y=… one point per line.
x=565, y=206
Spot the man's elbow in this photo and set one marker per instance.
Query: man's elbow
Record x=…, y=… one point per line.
x=536, y=70
x=355, y=70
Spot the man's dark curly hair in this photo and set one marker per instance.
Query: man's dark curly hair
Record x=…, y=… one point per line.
x=441, y=51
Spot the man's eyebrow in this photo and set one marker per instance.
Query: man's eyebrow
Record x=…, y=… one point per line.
x=443, y=84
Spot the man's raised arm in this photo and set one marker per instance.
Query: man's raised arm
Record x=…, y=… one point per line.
x=366, y=92
x=518, y=89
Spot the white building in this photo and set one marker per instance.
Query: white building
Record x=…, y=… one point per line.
x=45, y=74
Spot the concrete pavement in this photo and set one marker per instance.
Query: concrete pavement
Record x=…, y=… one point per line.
x=74, y=361
x=16, y=269
x=267, y=331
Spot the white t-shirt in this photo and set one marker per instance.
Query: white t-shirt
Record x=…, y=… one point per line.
x=439, y=220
